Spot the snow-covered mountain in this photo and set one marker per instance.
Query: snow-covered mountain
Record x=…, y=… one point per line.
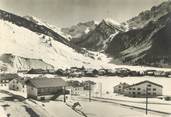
x=43, y=23
x=77, y=32
x=147, y=16
x=148, y=45
x=25, y=44
x=98, y=39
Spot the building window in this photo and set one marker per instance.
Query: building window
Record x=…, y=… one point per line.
x=139, y=88
x=139, y=93
x=23, y=86
x=130, y=88
x=149, y=89
x=154, y=93
x=119, y=86
x=133, y=93
x=149, y=93
x=133, y=88
x=149, y=85
x=154, y=89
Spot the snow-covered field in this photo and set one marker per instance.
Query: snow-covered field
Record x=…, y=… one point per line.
x=102, y=109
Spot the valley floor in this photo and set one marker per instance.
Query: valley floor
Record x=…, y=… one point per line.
x=15, y=106
x=14, y=103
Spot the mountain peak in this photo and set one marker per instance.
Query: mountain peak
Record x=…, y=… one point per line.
x=153, y=14
x=111, y=21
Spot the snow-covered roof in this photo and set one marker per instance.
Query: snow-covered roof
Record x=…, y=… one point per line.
x=146, y=81
x=46, y=82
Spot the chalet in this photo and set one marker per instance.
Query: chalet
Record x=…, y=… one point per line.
x=18, y=84
x=60, y=72
x=6, y=78
x=22, y=71
x=51, y=71
x=76, y=74
x=135, y=73
x=76, y=90
x=122, y=72
x=75, y=87
x=110, y=72
x=91, y=72
x=143, y=89
x=37, y=71
x=45, y=88
x=160, y=74
x=149, y=72
x=102, y=72
x=120, y=88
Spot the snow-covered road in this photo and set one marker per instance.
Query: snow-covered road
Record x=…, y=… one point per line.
x=103, y=109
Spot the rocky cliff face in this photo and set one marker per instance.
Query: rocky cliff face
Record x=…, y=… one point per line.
x=98, y=38
x=149, y=45
x=147, y=16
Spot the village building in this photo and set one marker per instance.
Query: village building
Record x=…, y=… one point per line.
x=6, y=78
x=91, y=72
x=22, y=71
x=37, y=71
x=45, y=88
x=143, y=89
x=102, y=72
x=120, y=88
x=76, y=90
x=110, y=72
x=18, y=84
x=123, y=72
x=150, y=72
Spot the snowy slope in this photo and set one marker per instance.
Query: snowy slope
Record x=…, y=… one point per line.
x=54, y=28
x=22, y=42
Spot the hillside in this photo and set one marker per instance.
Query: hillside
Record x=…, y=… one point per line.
x=26, y=45
x=149, y=45
x=155, y=13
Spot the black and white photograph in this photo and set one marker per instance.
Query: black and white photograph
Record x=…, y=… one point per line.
x=85, y=58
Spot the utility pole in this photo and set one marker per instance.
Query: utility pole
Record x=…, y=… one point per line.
x=89, y=91
x=100, y=89
x=64, y=94
x=146, y=100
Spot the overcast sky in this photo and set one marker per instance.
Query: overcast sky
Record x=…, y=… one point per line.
x=63, y=13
